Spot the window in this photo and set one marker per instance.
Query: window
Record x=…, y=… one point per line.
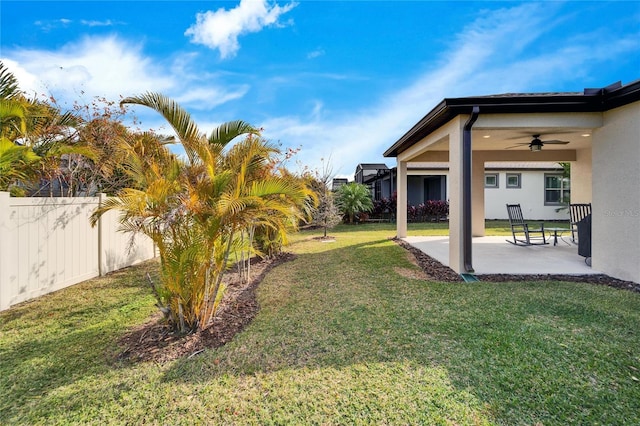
x=378, y=190
x=491, y=180
x=557, y=190
x=513, y=180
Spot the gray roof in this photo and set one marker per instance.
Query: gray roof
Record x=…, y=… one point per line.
x=591, y=100
x=375, y=166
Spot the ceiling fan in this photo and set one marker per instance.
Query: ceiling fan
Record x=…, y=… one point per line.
x=536, y=144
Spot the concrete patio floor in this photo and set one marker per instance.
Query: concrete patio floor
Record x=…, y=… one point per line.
x=494, y=255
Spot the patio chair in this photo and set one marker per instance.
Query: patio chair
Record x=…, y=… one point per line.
x=577, y=212
x=523, y=233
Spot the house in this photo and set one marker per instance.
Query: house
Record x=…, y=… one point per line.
x=338, y=182
x=424, y=182
x=365, y=171
x=527, y=183
x=597, y=131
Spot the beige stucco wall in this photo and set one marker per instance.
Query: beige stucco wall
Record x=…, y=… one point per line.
x=581, y=173
x=456, y=261
x=616, y=194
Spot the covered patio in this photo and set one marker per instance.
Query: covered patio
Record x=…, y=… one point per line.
x=494, y=255
x=597, y=131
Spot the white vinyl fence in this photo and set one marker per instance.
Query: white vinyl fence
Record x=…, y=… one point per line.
x=47, y=244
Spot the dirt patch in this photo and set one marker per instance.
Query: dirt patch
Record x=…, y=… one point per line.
x=434, y=270
x=411, y=273
x=154, y=341
x=419, y=274
x=327, y=239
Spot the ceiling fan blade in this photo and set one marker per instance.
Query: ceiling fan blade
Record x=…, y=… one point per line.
x=528, y=135
x=517, y=146
x=555, y=142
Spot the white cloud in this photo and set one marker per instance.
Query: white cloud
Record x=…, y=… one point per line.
x=111, y=67
x=485, y=57
x=49, y=25
x=315, y=53
x=107, y=23
x=211, y=97
x=28, y=82
x=221, y=29
x=94, y=66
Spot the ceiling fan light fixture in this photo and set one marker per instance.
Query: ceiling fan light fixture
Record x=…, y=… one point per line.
x=536, y=144
x=535, y=147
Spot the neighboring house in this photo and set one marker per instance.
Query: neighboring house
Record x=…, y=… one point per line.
x=530, y=184
x=68, y=180
x=424, y=182
x=540, y=189
x=364, y=171
x=338, y=182
x=597, y=131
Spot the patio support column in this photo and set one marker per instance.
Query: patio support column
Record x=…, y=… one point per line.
x=455, y=198
x=401, y=214
x=477, y=195
x=581, y=173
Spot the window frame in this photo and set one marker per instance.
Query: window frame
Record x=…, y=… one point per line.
x=497, y=177
x=516, y=175
x=564, y=189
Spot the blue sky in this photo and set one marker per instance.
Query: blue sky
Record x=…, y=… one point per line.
x=342, y=80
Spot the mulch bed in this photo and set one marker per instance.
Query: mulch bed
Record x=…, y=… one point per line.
x=439, y=272
x=153, y=341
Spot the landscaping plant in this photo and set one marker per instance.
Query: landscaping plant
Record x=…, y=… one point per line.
x=197, y=210
x=354, y=198
x=327, y=213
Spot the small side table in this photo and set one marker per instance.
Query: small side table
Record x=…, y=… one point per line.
x=556, y=232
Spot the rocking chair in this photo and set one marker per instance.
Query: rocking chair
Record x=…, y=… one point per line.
x=523, y=234
x=577, y=212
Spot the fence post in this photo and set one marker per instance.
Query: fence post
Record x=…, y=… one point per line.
x=101, y=198
x=6, y=259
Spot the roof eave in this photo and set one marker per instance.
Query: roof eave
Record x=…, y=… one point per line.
x=449, y=108
x=435, y=116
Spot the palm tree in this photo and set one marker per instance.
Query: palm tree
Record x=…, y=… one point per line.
x=53, y=136
x=196, y=209
x=14, y=165
x=36, y=137
x=9, y=87
x=354, y=198
x=15, y=158
x=13, y=112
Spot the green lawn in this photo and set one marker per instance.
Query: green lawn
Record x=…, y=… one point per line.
x=341, y=338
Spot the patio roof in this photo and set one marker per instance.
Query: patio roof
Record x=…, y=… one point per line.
x=591, y=100
x=494, y=255
x=600, y=124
